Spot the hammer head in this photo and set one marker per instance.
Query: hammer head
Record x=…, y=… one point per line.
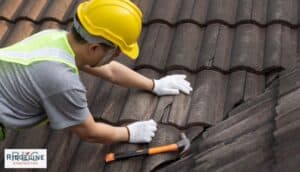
x=184, y=144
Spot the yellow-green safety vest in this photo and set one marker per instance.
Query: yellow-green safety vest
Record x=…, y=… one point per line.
x=48, y=45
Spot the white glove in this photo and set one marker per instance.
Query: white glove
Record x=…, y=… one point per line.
x=142, y=131
x=171, y=85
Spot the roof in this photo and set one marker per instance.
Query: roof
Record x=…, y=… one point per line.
x=240, y=57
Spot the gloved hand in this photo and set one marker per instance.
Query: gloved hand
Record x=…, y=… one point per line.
x=142, y=131
x=171, y=85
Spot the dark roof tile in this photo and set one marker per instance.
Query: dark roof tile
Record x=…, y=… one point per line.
x=19, y=32
x=140, y=104
x=9, y=8
x=222, y=10
x=240, y=113
x=49, y=24
x=31, y=9
x=236, y=89
x=248, y=49
x=285, y=118
x=185, y=48
x=287, y=150
x=193, y=10
x=258, y=160
x=254, y=116
x=255, y=85
x=216, y=47
x=283, y=10
x=288, y=102
x=291, y=164
x=4, y=27
x=57, y=10
x=259, y=11
x=229, y=153
x=289, y=80
x=92, y=152
x=159, y=11
x=281, y=46
x=244, y=10
x=40, y=138
x=208, y=98
x=63, y=144
x=114, y=104
x=146, y=7
x=157, y=42
x=252, y=10
x=288, y=133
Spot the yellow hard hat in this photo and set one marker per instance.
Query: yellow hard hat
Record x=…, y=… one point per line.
x=118, y=21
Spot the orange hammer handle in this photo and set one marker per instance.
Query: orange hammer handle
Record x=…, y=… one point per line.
x=162, y=149
x=150, y=151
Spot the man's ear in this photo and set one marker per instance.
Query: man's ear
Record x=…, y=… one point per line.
x=117, y=52
x=93, y=47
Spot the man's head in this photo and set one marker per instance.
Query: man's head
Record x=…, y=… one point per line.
x=103, y=28
x=92, y=54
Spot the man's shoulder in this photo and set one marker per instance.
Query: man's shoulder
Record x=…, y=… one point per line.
x=55, y=77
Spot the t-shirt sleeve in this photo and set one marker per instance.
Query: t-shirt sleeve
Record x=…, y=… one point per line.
x=66, y=108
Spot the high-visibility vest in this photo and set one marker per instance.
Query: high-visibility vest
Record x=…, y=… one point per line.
x=48, y=45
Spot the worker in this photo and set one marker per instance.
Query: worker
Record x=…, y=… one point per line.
x=39, y=79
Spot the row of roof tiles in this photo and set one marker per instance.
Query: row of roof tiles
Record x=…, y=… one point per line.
x=192, y=48
x=198, y=11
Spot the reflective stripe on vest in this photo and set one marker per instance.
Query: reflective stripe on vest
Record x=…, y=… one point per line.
x=44, y=54
x=48, y=45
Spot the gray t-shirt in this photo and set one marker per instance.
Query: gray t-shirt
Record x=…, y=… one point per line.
x=30, y=94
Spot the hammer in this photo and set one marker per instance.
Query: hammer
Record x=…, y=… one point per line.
x=182, y=145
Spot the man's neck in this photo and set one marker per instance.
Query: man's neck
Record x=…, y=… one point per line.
x=76, y=49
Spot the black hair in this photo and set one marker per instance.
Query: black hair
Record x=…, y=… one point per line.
x=77, y=36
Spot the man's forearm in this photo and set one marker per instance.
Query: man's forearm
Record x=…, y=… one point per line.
x=124, y=76
x=98, y=132
x=120, y=74
x=113, y=134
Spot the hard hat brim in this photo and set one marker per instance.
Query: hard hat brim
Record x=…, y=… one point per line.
x=133, y=53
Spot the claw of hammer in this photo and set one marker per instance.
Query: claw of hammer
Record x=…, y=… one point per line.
x=184, y=143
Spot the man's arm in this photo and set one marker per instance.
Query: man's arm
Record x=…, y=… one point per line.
x=120, y=74
x=97, y=132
